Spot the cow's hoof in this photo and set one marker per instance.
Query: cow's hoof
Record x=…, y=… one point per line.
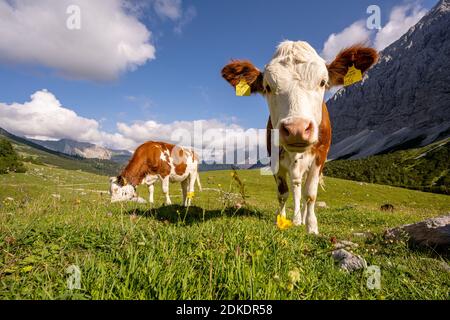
x=313, y=231
x=297, y=221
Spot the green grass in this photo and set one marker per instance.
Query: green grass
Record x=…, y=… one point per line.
x=211, y=251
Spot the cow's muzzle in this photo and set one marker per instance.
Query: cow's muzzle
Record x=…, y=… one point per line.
x=297, y=134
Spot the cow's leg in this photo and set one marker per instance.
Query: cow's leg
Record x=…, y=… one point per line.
x=283, y=191
x=304, y=205
x=297, y=194
x=191, y=189
x=184, y=190
x=310, y=197
x=151, y=191
x=165, y=189
x=296, y=172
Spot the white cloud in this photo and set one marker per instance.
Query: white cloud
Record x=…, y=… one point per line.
x=44, y=118
x=111, y=40
x=186, y=18
x=402, y=18
x=355, y=33
x=171, y=9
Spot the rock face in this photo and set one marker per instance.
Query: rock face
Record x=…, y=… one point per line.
x=433, y=233
x=404, y=100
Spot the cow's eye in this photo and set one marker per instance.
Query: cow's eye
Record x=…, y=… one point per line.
x=323, y=83
x=268, y=89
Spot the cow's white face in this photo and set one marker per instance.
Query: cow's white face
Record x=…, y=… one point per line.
x=294, y=84
x=121, y=193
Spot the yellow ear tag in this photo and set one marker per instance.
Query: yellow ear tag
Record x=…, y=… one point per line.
x=191, y=195
x=243, y=89
x=353, y=75
x=283, y=223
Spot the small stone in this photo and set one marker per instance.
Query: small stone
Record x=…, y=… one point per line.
x=348, y=261
x=368, y=235
x=321, y=204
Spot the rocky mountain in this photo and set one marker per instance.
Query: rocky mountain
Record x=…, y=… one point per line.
x=403, y=102
x=38, y=154
x=85, y=150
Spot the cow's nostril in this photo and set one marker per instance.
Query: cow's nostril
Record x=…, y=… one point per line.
x=284, y=131
x=309, y=128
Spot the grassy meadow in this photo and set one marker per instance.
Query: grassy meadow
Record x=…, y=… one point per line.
x=52, y=218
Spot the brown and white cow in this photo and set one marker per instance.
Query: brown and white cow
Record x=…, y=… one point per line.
x=155, y=161
x=294, y=83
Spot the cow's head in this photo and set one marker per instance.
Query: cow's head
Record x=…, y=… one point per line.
x=121, y=191
x=294, y=83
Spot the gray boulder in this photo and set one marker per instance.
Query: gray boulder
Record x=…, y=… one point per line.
x=434, y=232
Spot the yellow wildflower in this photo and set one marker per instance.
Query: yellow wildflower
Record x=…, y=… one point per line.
x=283, y=223
x=294, y=276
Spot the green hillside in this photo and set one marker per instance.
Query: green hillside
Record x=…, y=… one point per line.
x=35, y=153
x=9, y=159
x=425, y=169
x=51, y=218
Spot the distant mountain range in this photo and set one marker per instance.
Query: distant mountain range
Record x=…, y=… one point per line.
x=38, y=154
x=404, y=100
x=70, y=154
x=85, y=150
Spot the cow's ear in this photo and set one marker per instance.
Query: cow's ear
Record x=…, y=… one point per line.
x=358, y=55
x=237, y=70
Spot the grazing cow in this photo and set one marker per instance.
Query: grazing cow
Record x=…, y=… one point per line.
x=155, y=161
x=294, y=83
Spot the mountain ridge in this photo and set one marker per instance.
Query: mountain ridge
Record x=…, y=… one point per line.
x=404, y=100
x=84, y=149
x=36, y=153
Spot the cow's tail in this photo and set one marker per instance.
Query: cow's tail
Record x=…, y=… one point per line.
x=198, y=182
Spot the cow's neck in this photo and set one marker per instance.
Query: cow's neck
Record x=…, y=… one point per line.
x=134, y=173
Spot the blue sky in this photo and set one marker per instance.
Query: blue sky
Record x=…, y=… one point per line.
x=192, y=44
